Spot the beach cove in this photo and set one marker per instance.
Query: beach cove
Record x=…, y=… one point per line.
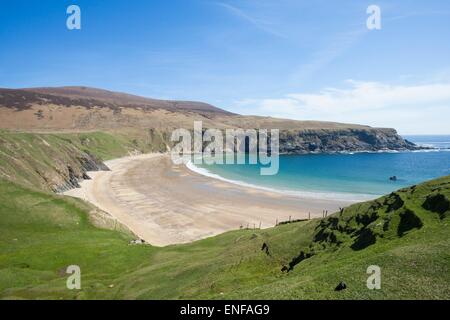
x=166, y=204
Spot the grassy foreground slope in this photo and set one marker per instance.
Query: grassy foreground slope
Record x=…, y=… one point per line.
x=405, y=233
x=48, y=161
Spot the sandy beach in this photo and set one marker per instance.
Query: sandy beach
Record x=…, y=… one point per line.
x=168, y=204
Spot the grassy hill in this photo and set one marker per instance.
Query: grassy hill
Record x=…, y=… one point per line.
x=405, y=233
x=82, y=109
x=53, y=161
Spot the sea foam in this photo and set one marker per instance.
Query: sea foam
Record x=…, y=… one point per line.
x=295, y=193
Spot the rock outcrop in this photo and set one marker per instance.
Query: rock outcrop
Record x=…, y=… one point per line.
x=342, y=140
x=48, y=162
x=58, y=162
x=87, y=109
x=69, y=177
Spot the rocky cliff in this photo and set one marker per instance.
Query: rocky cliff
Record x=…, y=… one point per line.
x=52, y=162
x=125, y=124
x=86, y=109
x=342, y=140
x=58, y=161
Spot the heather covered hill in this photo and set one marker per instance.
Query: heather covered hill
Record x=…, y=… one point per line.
x=80, y=109
x=91, y=97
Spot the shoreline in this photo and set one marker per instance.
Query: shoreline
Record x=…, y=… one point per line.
x=166, y=204
x=334, y=196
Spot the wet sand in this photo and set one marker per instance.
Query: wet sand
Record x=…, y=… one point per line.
x=167, y=204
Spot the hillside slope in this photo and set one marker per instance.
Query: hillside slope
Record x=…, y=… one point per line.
x=91, y=97
x=78, y=109
x=56, y=162
x=405, y=233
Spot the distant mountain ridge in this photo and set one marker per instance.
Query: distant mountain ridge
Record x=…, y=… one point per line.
x=90, y=97
x=79, y=109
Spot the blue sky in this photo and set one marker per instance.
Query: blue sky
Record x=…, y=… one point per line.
x=312, y=60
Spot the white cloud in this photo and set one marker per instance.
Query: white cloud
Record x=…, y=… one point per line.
x=421, y=108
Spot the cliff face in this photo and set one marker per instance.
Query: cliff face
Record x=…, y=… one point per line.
x=68, y=177
x=371, y=139
x=56, y=162
x=80, y=109
x=322, y=141
x=48, y=162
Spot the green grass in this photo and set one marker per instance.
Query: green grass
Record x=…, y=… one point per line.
x=41, y=160
x=41, y=234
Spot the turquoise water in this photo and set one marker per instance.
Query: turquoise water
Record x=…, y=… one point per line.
x=353, y=176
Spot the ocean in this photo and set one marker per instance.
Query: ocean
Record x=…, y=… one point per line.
x=350, y=176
